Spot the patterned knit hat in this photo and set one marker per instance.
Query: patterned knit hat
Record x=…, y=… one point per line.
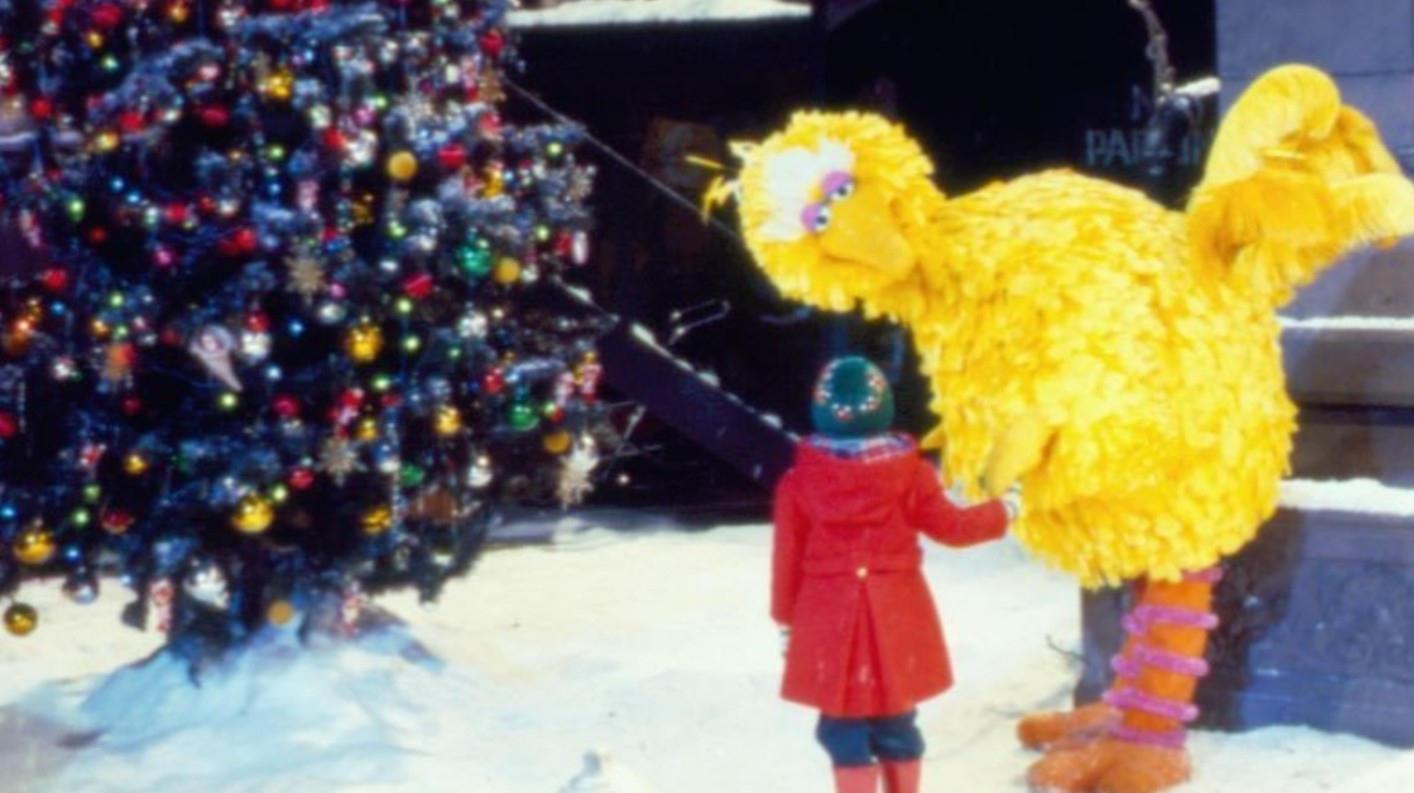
x=852, y=399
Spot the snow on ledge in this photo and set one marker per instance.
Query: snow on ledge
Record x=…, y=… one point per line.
x=639, y=12
x=1365, y=496
x=1350, y=322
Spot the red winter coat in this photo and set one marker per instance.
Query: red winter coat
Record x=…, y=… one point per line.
x=864, y=635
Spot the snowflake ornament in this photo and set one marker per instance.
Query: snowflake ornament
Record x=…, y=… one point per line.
x=576, y=473
x=338, y=459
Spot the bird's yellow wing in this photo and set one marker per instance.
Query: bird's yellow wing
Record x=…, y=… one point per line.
x=1294, y=180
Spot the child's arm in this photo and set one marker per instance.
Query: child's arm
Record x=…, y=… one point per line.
x=936, y=517
x=788, y=546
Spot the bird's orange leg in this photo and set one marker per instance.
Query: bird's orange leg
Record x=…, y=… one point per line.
x=1157, y=675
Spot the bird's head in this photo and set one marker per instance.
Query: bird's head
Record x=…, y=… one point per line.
x=828, y=206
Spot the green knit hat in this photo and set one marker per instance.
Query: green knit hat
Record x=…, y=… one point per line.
x=852, y=399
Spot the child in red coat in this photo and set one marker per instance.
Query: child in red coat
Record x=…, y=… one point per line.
x=865, y=645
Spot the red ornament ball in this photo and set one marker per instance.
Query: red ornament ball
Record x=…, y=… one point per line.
x=54, y=280
x=493, y=43
x=9, y=425
x=130, y=121
x=494, y=382
x=301, y=478
x=286, y=406
x=452, y=156
x=115, y=520
x=175, y=213
x=242, y=243
x=418, y=286
x=214, y=116
x=106, y=15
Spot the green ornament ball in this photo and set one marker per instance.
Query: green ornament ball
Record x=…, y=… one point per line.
x=474, y=260
x=412, y=476
x=524, y=416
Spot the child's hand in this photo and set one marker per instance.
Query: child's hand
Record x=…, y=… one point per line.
x=1011, y=501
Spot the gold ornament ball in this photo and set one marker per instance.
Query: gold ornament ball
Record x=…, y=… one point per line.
x=557, y=442
x=507, y=271
x=448, y=421
x=364, y=342
x=34, y=545
x=402, y=166
x=279, y=86
x=367, y=429
x=280, y=613
x=254, y=514
x=377, y=520
x=21, y=619
x=107, y=141
x=135, y=464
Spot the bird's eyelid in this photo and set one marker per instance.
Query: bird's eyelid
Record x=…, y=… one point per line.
x=835, y=181
x=815, y=217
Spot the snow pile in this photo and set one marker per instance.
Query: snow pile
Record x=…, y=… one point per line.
x=637, y=12
x=656, y=646
x=1350, y=323
x=1365, y=496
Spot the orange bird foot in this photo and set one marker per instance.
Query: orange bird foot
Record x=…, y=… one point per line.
x=1109, y=766
x=1066, y=729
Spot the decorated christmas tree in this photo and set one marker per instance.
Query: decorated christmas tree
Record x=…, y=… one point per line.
x=285, y=334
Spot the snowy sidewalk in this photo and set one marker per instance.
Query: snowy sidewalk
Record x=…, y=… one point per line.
x=655, y=646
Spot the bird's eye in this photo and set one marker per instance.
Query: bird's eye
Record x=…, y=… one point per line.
x=844, y=190
x=821, y=220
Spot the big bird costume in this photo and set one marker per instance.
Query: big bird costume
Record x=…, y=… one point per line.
x=1118, y=360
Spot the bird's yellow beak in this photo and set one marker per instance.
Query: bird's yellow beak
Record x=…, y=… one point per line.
x=862, y=231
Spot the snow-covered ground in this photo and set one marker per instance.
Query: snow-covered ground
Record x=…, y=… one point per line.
x=655, y=646
x=637, y=12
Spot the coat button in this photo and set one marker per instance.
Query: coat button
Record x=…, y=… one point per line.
x=862, y=572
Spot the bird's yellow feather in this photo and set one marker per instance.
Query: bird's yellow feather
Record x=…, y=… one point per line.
x=1120, y=360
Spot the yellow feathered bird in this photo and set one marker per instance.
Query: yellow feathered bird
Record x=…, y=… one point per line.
x=1118, y=360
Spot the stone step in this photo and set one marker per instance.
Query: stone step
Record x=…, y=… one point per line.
x=1368, y=283
x=1350, y=443
x=694, y=404
x=1350, y=361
